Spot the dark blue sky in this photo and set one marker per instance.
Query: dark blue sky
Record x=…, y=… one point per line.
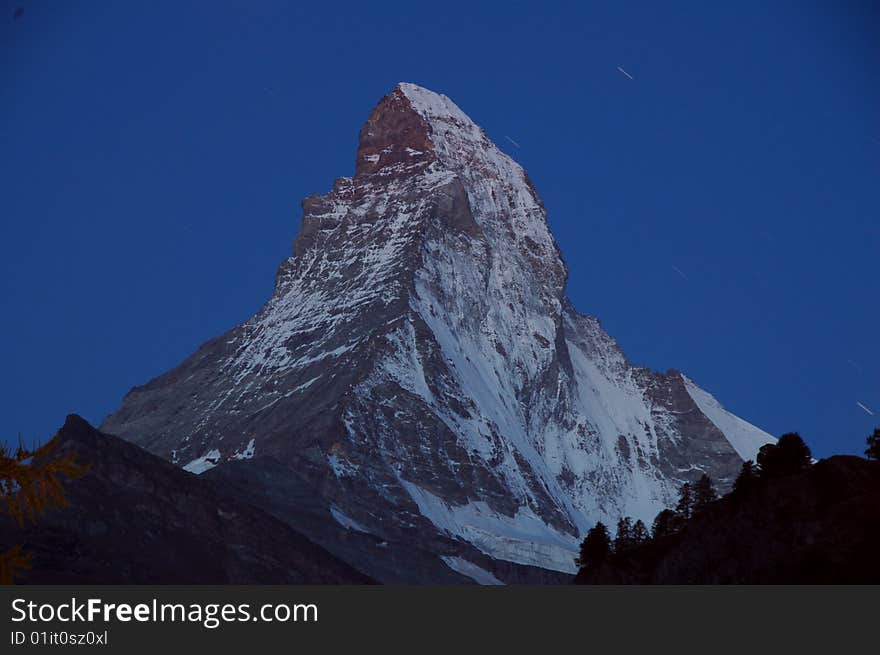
x=719, y=213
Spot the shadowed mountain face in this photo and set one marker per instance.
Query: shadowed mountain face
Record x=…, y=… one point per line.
x=136, y=519
x=818, y=527
x=439, y=559
x=419, y=369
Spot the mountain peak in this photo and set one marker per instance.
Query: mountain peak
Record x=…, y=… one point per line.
x=419, y=364
x=432, y=105
x=395, y=137
x=411, y=127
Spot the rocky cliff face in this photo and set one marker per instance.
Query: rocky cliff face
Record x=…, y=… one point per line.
x=419, y=365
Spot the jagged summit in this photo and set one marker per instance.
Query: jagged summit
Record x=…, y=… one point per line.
x=435, y=113
x=420, y=365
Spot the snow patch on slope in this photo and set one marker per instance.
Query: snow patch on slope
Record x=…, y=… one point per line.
x=247, y=453
x=204, y=463
x=523, y=538
x=745, y=438
x=471, y=570
x=347, y=522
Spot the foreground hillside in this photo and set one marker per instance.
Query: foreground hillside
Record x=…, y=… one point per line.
x=820, y=526
x=135, y=519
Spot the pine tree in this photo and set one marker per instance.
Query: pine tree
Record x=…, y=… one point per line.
x=873, y=449
x=30, y=484
x=640, y=533
x=704, y=493
x=746, y=480
x=787, y=456
x=767, y=458
x=596, y=547
x=623, y=539
x=666, y=523
x=685, y=506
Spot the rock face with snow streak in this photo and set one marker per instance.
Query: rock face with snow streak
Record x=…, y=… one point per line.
x=419, y=364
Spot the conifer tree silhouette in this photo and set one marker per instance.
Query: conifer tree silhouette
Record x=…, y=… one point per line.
x=666, y=523
x=596, y=547
x=747, y=479
x=685, y=506
x=640, y=533
x=873, y=442
x=623, y=540
x=787, y=456
x=704, y=493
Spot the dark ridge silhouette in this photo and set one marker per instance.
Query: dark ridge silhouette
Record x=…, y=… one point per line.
x=801, y=524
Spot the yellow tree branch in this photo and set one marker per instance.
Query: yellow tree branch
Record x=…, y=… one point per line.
x=30, y=484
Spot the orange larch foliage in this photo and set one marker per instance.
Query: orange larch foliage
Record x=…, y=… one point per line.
x=30, y=484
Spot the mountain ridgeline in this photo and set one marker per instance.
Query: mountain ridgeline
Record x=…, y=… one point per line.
x=419, y=371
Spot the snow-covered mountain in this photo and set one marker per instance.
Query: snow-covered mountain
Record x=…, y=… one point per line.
x=419, y=364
